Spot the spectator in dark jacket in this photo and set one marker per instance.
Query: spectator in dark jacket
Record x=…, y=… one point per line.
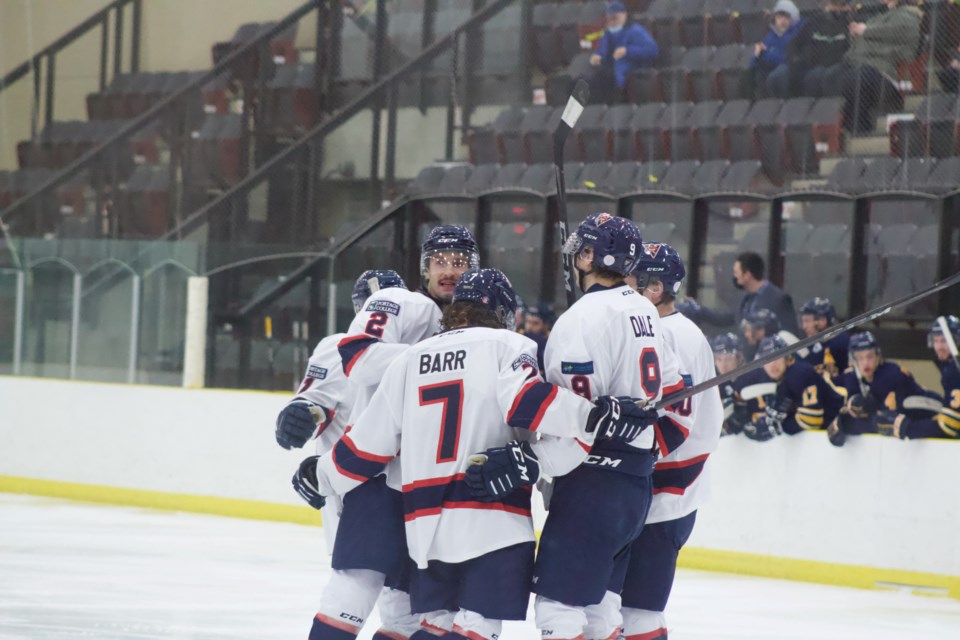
x=876, y=46
x=761, y=293
x=769, y=74
x=623, y=48
x=816, y=54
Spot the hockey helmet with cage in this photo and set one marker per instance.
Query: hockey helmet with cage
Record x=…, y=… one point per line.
x=615, y=242
x=660, y=260
x=726, y=343
x=489, y=288
x=863, y=341
x=371, y=281
x=763, y=319
x=769, y=345
x=819, y=308
x=449, y=238
x=953, y=325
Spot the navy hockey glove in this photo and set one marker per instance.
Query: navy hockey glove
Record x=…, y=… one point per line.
x=498, y=471
x=835, y=432
x=305, y=483
x=619, y=418
x=890, y=423
x=779, y=410
x=297, y=423
x=739, y=417
x=862, y=407
x=763, y=429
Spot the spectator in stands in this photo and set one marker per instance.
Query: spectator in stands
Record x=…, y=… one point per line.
x=816, y=55
x=537, y=325
x=748, y=271
x=623, y=48
x=876, y=46
x=949, y=75
x=769, y=74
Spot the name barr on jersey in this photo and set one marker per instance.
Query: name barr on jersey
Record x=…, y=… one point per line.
x=642, y=328
x=441, y=362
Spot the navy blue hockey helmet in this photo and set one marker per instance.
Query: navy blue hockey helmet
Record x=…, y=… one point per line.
x=491, y=289
x=770, y=344
x=660, y=260
x=726, y=343
x=953, y=325
x=763, y=319
x=863, y=341
x=615, y=242
x=819, y=308
x=543, y=311
x=449, y=238
x=370, y=282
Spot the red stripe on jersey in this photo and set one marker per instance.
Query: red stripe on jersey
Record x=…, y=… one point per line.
x=344, y=472
x=337, y=624
x=650, y=635
x=346, y=341
x=393, y=635
x=583, y=445
x=472, y=635
x=682, y=463
x=481, y=506
x=363, y=455
x=672, y=490
x=516, y=401
x=432, y=482
x=434, y=629
x=543, y=409
x=673, y=388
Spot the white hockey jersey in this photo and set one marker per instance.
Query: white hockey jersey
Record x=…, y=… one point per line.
x=610, y=342
x=391, y=320
x=325, y=384
x=448, y=397
x=681, y=479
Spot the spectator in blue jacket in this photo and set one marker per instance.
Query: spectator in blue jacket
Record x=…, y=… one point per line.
x=623, y=48
x=769, y=74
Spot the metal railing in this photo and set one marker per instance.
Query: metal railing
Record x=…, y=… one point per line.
x=43, y=64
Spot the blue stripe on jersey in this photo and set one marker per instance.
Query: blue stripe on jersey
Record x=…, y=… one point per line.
x=429, y=497
x=351, y=348
x=675, y=477
x=354, y=463
x=530, y=405
x=670, y=435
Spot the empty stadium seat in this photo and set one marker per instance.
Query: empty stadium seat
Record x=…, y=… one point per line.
x=144, y=206
x=622, y=133
x=684, y=143
x=934, y=131
x=648, y=131
x=713, y=138
x=731, y=62
x=486, y=143
x=594, y=137
x=500, y=69
x=290, y=101
x=546, y=38
x=216, y=152
x=845, y=176
x=675, y=124
x=701, y=79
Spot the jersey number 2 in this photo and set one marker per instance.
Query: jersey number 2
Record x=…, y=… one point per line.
x=450, y=396
x=375, y=324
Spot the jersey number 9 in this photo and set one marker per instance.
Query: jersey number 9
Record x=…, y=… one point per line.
x=650, y=372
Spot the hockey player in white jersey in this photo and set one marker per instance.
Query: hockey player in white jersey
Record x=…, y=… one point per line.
x=608, y=343
x=681, y=477
x=321, y=408
x=472, y=387
x=370, y=551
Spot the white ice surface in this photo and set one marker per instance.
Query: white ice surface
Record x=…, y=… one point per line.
x=74, y=570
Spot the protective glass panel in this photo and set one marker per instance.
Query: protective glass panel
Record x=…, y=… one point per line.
x=515, y=244
x=163, y=329
x=48, y=313
x=8, y=307
x=106, y=323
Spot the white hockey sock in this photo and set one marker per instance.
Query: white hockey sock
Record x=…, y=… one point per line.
x=558, y=621
x=640, y=622
x=475, y=626
x=349, y=597
x=604, y=620
x=396, y=621
x=438, y=622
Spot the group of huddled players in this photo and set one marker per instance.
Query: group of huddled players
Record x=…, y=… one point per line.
x=843, y=385
x=435, y=420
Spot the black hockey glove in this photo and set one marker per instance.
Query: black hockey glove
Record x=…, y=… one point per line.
x=498, y=471
x=297, y=423
x=305, y=483
x=861, y=406
x=738, y=418
x=890, y=423
x=763, y=429
x=779, y=410
x=835, y=432
x=618, y=418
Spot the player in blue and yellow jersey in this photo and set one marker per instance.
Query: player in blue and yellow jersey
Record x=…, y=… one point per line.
x=817, y=315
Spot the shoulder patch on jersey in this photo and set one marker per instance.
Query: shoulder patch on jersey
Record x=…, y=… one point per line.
x=319, y=373
x=385, y=306
x=576, y=368
x=525, y=360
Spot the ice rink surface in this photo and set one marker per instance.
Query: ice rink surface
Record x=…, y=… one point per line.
x=74, y=570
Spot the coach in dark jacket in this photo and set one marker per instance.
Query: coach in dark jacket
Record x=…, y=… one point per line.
x=761, y=293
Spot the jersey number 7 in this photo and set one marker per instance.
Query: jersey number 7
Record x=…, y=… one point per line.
x=450, y=396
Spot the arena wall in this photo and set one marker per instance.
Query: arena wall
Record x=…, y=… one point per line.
x=878, y=512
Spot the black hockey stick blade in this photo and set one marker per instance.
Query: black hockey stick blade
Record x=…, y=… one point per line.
x=826, y=334
x=571, y=113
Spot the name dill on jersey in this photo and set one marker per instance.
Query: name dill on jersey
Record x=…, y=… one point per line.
x=641, y=327
x=384, y=305
x=440, y=362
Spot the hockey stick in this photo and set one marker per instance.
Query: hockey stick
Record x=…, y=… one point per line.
x=571, y=113
x=824, y=335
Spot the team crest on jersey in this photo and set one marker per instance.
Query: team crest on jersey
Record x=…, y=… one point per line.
x=603, y=218
x=652, y=248
x=525, y=361
x=577, y=368
x=316, y=372
x=384, y=305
